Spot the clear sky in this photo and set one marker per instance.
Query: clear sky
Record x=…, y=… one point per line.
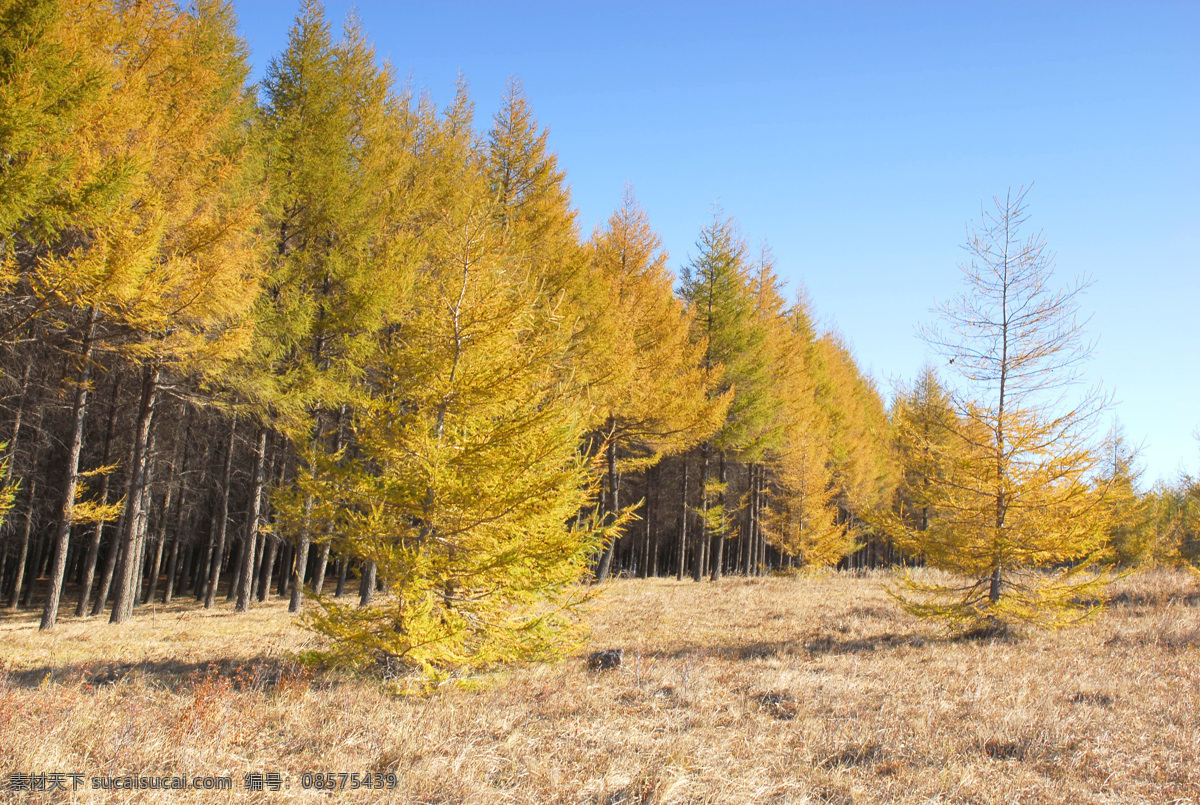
x=859, y=140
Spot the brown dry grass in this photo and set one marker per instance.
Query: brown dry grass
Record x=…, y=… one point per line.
x=770, y=691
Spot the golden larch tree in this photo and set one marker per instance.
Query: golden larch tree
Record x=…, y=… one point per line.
x=1019, y=513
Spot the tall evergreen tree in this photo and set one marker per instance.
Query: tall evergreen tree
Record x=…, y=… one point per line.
x=651, y=392
x=716, y=286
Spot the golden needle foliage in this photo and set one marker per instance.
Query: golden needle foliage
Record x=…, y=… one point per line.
x=1010, y=477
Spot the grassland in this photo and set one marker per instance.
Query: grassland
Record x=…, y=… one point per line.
x=747, y=691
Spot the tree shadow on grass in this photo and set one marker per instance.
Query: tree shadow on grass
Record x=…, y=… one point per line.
x=809, y=646
x=257, y=673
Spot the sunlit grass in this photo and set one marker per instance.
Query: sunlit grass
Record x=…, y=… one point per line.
x=774, y=690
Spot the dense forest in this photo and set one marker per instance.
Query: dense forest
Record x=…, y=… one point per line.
x=316, y=338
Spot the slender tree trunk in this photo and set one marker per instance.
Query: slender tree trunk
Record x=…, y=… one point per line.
x=683, y=519
x=15, y=438
x=93, y=554
x=205, y=555
x=318, y=579
x=702, y=545
x=744, y=526
x=264, y=583
x=319, y=571
x=180, y=515
x=260, y=467
x=155, y=569
x=66, y=518
x=143, y=523
x=343, y=570
x=611, y=515
x=366, y=589
x=172, y=571
x=256, y=569
x=644, y=553
x=139, y=467
x=761, y=548
x=202, y=573
x=286, y=558
x=39, y=553
x=189, y=556
x=299, y=561
x=655, y=530
x=173, y=480
x=110, y=562
x=23, y=554
x=718, y=553
x=752, y=546
x=266, y=540
x=222, y=521
x=9, y=468
x=236, y=560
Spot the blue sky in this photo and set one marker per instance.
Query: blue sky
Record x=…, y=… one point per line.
x=858, y=140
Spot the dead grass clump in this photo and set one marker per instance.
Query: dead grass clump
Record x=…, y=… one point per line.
x=854, y=754
x=779, y=704
x=1092, y=697
x=1005, y=750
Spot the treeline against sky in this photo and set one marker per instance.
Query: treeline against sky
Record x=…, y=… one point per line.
x=320, y=337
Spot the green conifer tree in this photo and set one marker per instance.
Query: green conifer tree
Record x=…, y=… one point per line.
x=716, y=287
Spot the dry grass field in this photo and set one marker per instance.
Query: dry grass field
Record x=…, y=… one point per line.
x=747, y=691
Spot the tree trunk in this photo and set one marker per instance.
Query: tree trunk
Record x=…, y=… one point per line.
x=172, y=571
x=260, y=467
x=93, y=554
x=287, y=556
x=752, y=529
x=23, y=555
x=264, y=583
x=683, y=518
x=15, y=438
x=110, y=562
x=266, y=541
x=300, y=562
x=135, y=493
x=204, y=558
x=702, y=545
x=180, y=517
x=299, y=558
x=173, y=480
x=343, y=570
x=221, y=521
x=319, y=571
x=143, y=523
x=644, y=553
x=611, y=515
x=718, y=553
x=760, y=549
x=366, y=587
x=66, y=518
x=322, y=557
x=35, y=568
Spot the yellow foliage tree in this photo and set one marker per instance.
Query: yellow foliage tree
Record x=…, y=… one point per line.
x=649, y=389
x=803, y=519
x=1019, y=516
x=464, y=472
